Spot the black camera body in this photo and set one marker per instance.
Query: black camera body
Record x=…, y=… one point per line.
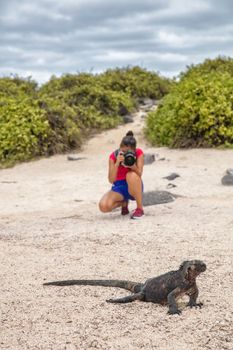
x=129, y=157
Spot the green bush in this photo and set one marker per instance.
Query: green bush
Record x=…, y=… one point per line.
x=77, y=105
x=198, y=112
x=105, y=101
x=58, y=116
x=220, y=64
x=24, y=130
x=16, y=87
x=137, y=82
x=65, y=133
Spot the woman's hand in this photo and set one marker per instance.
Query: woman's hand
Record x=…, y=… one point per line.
x=120, y=158
x=132, y=167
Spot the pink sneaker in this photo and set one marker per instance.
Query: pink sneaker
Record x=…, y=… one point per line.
x=137, y=213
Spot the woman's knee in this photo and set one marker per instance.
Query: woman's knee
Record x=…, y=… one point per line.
x=132, y=177
x=104, y=206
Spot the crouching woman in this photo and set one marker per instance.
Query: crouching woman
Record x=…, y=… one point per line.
x=126, y=180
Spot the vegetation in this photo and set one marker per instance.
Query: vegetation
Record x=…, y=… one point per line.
x=137, y=82
x=24, y=129
x=59, y=115
x=198, y=112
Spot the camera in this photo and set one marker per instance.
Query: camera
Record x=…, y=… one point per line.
x=129, y=158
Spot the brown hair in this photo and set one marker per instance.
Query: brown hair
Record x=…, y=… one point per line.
x=129, y=140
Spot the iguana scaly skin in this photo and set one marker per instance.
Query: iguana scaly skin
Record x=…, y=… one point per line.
x=164, y=289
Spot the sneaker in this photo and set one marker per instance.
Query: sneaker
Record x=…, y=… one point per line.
x=137, y=213
x=125, y=210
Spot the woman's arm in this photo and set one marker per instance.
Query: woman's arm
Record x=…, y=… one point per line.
x=113, y=167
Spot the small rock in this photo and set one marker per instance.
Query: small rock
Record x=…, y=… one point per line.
x=171, y=177
x=229, y=171
x=227, y=180
x=123, y=110
x=146, y=104
x=143, y=115
x=127, y=118
x=74, y=157
x=149, y=158
x=157, y=197
x=171, y=185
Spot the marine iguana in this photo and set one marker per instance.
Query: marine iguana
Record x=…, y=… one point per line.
x=164, y=289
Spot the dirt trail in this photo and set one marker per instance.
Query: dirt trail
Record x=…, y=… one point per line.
x=50, y=228
x=106, y=141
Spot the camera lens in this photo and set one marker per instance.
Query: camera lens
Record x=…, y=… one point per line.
x=129, y=158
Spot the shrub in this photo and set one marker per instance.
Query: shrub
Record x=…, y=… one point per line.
x=198, y=112
x=16, y=87
x=24, y=130
x=77, y=105
x=137, y=82
x=220, y=64
x=59, y=115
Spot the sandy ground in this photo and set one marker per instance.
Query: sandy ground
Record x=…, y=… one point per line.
x=51, y=228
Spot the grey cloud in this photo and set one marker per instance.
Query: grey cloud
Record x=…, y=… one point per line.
x=61, y=17
x=55, y=37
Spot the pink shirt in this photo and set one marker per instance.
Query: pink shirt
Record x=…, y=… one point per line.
x=122, y=171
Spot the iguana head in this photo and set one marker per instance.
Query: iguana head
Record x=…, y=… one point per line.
x=192, y=268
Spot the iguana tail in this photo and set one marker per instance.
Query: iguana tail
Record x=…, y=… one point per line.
x=134, y=287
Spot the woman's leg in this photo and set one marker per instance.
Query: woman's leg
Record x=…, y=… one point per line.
x=135, y=187
x=110, y=201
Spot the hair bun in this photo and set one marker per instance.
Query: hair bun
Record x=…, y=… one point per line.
x=129, y=133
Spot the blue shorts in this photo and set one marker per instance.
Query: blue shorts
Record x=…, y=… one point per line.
x=121, y=187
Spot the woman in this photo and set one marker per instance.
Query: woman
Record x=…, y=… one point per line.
x=126, y=180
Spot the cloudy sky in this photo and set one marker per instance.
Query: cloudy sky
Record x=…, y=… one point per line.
x=40, y=38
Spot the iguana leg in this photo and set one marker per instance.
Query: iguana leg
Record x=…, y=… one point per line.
x=193, y=299
x=128, y=299
x=171, y=298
